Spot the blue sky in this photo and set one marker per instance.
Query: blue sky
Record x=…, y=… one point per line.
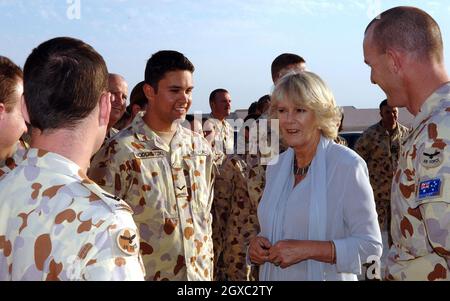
x=231, y=42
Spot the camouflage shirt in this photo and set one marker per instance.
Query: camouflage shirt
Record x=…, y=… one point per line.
x=421, y=196
x=56, y=224
x=224, y=135
x=381, y=153
x=238, y=217
x=170, y=189
x=11, y=163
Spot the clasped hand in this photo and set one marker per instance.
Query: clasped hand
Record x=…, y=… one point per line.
x=283, y=253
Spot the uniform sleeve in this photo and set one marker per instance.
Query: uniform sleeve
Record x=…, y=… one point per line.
x=433, y=193
x=113, y=255
x=436, y=217
x=223, y=191
x=362, y=146
x=255, y=184
x=110, y=170
x=360, y=217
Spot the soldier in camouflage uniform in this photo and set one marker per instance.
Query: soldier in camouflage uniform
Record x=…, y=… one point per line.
x=379, y=146
x=12, y=124
x=221, y=136
x=420, y=192
x=238, y=219
x=165, y=173
x=118, y=87
x=55, y=223
x=220, y=103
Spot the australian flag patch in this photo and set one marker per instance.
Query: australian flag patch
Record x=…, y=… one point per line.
x=430, y=188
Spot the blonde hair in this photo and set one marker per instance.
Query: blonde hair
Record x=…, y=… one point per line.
x=308, y=90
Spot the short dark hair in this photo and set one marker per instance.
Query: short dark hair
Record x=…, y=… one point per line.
x=284, y=60
x=251, y=116
x=137, y=96
x=253, y=108
x=165, y=61
x=263, y=99
x=409, y=29
x=63, y=81
x=213, y=94
x=10, y=74
x=383, y=103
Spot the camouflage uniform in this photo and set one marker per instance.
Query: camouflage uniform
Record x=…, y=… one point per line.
x=222, y=144
x=11, y=163
x=421, y=196
x=224, y=135
x=56, y=224
x=170, y=191
x=381, y=153
x=238, y=216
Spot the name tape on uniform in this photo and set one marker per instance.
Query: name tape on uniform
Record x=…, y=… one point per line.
x=150, y=154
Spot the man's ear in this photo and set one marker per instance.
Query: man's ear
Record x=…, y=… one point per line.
x=2, y=110
x=395, y=60
x=104, y=109
x=149, y=92
x=23, y=108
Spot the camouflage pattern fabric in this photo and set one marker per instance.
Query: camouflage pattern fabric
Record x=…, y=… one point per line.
x=237, y=214
x=381, y=153
x=56, y=224
x=10, y=163
x=170, y=189
x=421, y=196
x=224, y=135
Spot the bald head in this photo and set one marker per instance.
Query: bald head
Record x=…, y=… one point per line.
x=407, y=29
x=118, y=87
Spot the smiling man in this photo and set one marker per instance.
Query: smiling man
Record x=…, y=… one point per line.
x=404, y=49
x=379, y=146
x=165, y=172
x=217, y=125
x=118, y=88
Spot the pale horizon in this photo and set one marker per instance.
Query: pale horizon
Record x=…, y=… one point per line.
x=232, y=43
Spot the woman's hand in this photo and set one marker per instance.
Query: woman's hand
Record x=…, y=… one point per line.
x=258, y=250
x=288, y=252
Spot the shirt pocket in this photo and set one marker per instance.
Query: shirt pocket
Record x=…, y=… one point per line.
x=199, y=180
x=154, y=196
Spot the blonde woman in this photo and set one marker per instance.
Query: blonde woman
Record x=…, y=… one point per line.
x=12, y=124
x=317, y=213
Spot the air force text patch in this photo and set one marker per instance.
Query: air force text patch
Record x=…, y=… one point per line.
x=430, y=188
x=432, y=158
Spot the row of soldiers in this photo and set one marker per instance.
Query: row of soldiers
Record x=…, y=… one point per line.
x=140, y=203
x=148, y=214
